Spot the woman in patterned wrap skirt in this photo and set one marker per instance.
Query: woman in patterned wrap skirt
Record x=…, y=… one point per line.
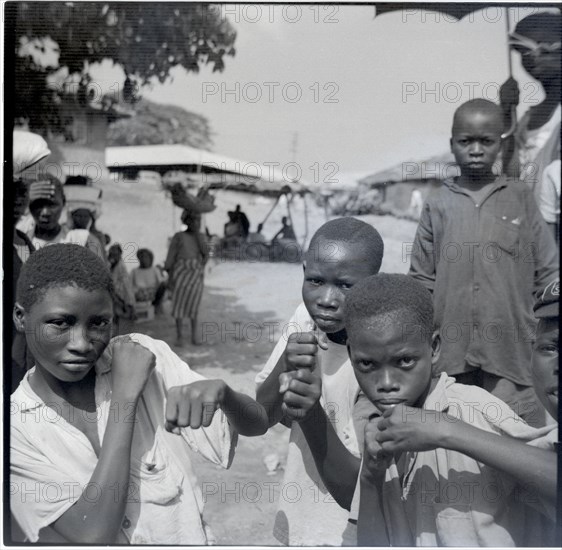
x=185, y=264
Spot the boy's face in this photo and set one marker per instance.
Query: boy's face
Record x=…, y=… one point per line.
x=476, y=142
x=67, y=330
x=145, y=260
x=81, y=218
x=113, y=256
x=331, y=269
x=545, y=364
x=47, y=213
x=392, y=363
x=20, y=205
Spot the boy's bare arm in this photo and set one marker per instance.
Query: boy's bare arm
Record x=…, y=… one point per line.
x=194, y=406
x=422, y=260
x=338, y=468
x=97, y=521
x=371, y=525
x=411, y=429
x=268, y=395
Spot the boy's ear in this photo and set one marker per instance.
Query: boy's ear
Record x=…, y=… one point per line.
x=451, y=144
x=303, y=267
x=18, y=316
x=435, y=347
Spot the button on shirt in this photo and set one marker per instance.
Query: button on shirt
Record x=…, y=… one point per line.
x=52, y=462
x=483, y=266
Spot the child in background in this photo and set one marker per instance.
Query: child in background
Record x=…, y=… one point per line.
x=483, y=249
x=123, y=293
x=421, y=494
x=46, y=202
x=308, y=384
x=148, y=281
x=101, y=428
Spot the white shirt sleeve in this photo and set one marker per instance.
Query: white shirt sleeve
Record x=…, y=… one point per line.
x=549, y=195
x=40, y=491
x=216, y=442
x=299, y=322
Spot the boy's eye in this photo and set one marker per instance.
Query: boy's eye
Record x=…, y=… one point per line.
x=346, y=286
x=59, y=323
x=406, y=362
x=101, y=323
x=314, y=281
x=548, y=348
x=363, y=365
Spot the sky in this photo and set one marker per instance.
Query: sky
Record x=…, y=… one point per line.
x=340, y=92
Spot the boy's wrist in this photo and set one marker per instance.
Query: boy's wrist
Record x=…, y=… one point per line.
x=446, y=432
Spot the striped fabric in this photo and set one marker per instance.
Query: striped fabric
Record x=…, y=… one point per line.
x=187, y=288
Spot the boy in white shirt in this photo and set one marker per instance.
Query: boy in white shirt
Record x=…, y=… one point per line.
x=308, y=384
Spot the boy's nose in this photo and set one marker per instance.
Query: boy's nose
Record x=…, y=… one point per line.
x=328, y=298
x=79, y=341
x=387, y=382
x=476, y=148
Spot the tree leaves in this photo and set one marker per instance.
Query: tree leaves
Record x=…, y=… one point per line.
x=146, y=39
x=155, y=124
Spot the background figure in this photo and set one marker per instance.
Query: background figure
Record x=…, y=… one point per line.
x=537, y=137
x=83, y=218
x=241, y=218
x=21, y=358
x=286, y=231
x=416, y=204
x=185, y=264
x=284, y=243
x=233, y=231
x=148, y=281
x=123, y=294
x=46, y=203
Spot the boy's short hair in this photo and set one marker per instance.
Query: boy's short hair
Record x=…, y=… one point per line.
x=117, y=247
x=353, y=231
x=479, y=105
x=146, y=251
x=548, y=24
x=389, y=295
x=59, y=265
x=547, y=302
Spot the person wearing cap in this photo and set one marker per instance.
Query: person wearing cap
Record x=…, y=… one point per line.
x=46, y=203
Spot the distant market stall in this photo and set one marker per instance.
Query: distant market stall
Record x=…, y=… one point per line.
x=204, y=168
x=184, y=170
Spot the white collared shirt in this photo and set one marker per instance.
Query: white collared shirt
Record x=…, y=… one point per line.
x=52, y=462
x=308, y=515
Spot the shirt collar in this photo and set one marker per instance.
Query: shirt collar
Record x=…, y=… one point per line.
x=451, y=183
x=437, y=400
